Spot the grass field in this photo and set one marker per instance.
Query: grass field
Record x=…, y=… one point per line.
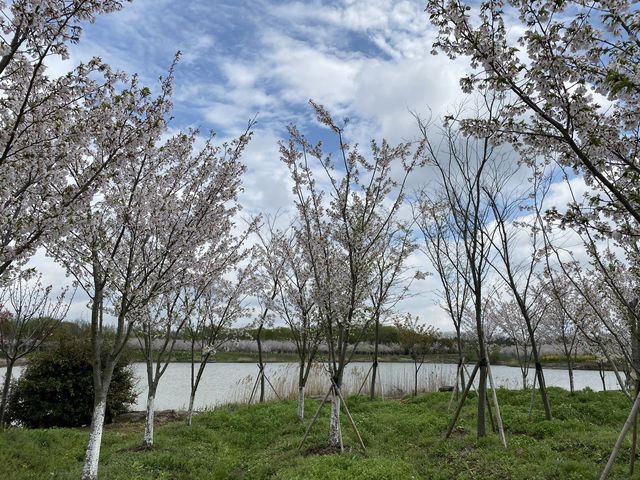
x=404, y=440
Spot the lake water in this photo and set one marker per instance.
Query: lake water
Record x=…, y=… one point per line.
x=224, y=383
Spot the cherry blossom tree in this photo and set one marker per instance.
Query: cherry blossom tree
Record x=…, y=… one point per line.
x=445, y=251
x=161, y=323
x=60, y=135
x=564, y=319
x=192, y=293
x=466, y=168
x=164, y=207
x=390, y=282
x=510, y=322
x=221, y=304
x=514, y=211
x=28, y=315
x=569, y=76
x=271, y=261
x=340, y=230
x=296, y=306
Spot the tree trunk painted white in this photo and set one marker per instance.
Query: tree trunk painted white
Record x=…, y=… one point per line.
x=571, y=385
x=300, y=403
x=147, y=440
x=190, y=410
x=334, y=425
x=90, y=468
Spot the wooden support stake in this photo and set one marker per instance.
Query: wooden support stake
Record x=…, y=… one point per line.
x=255, y=385
x=468, y=375
x=533, y=393
x=461, y=403
x=353, y=424
x=339, y=422
x=365, y=380
x=315, y=417
x=455, y=387
x=272, y=387
x=623, y=433
x=488, y=402
x=634, y=443
x=495, y=403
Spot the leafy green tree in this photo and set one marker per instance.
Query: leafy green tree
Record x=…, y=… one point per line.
x=56, y=389
x=416, y=339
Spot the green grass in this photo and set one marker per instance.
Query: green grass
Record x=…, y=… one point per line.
x=404, y=440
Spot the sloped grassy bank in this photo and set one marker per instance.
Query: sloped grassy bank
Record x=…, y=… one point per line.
x=404, y=440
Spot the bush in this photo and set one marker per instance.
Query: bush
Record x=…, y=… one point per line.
x=56, y=389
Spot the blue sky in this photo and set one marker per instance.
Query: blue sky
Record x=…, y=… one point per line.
x=368, y=60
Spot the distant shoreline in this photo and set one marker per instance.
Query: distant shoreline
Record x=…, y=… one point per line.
x=136, y=356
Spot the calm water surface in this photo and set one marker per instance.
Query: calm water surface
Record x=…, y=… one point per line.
x=233, y=382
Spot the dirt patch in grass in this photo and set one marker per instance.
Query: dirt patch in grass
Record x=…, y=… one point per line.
x=133, y=421
x=135, y=448
x=160, y=417
x=327, y=450
x=459, y=431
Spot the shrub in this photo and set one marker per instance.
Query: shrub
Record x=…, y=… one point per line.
x=56, y=389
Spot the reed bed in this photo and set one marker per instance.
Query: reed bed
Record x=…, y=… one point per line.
x=281, y=382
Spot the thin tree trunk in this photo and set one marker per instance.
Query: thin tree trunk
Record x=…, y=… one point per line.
x=5, y=392
x=192, y=398
x=374, y=369
x=147, y=440
x=301, y=385
x=195, y=382
x=615, y=371
x=92, y=455
x=482, y=398
x=542, y=386
x=335, y=434
x=602, y=375
x=483, y=355
x=571, y=385
x=102, y=375
x=460, y=360
x=455, y=386
x=315, y=417
x=415, y=380
x=260, y=363
x=353, y=423
x=300, y=415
